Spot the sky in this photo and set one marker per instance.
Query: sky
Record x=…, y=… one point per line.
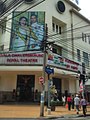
x=85, y=6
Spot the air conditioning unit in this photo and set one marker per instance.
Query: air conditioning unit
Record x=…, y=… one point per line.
x=28, y=1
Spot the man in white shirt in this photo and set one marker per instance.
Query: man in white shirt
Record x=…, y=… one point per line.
x=77, y=103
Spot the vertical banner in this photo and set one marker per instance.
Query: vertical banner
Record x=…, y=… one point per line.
x=27, y=30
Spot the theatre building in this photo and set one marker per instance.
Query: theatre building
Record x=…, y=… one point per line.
x=21, y=56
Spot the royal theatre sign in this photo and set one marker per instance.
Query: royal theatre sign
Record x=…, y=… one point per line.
x=36, y=58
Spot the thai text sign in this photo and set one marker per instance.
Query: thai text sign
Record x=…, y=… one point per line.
x=61, y=62
x=35, y=58
x=21, y=58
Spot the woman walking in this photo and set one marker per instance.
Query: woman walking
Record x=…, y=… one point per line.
x=83, y=103
x=69, y=101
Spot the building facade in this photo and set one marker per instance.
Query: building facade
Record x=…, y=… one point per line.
x=21, y=62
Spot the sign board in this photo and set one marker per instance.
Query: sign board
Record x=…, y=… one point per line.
x=41, y=80
x=58, y=61
x=48, y=70
x=19, y=58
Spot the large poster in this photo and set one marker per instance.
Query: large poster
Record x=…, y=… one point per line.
x=27, y=31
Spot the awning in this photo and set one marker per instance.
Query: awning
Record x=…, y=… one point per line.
x=35, y=68
x=65, y=72
x=21, y=68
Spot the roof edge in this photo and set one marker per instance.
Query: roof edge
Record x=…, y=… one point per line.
x=73, y=4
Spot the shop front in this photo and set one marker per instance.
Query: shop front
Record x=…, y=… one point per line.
x=20, y=73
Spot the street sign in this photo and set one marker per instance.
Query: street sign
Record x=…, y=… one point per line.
x=48, y=70
x=41, y=79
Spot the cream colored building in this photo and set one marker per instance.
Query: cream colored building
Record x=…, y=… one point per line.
x=70, y=31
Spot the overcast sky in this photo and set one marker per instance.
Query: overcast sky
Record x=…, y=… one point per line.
x=85, y=6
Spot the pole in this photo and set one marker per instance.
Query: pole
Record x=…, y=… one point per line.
x=49, y=97
x=43, y=86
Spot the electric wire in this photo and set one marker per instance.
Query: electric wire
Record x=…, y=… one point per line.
x=66, y=38
x=58, y=37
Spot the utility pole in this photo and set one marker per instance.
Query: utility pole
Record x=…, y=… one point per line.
x=44, y=46
x=44, y=66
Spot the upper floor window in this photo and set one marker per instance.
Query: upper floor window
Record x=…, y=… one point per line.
x=89, y=39
x=53, y=25
x=85, y=58
x=84, y=37
x=56, y=28
x=54, y=50
x=78, y=55
x=57, y=49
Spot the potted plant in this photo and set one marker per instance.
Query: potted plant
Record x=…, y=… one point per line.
x=53, y=104
x=53, y=93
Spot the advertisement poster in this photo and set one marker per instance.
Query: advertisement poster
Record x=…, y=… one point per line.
x=27, y=31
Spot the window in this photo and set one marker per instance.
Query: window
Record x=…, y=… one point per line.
x=85, y=58
x=54, y=50
x=53, y=27
x=89, y=39
x=84, y=37
x=78, y=55
x=59, y=30
x=56, y=28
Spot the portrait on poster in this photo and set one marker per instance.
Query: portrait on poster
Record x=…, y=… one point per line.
x=27, y=30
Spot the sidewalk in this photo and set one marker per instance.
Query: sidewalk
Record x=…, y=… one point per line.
x=33, y=111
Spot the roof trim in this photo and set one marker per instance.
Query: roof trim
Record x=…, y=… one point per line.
x=80, y=15
x=73, y=4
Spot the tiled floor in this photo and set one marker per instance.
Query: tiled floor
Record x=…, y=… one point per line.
x=32, y=111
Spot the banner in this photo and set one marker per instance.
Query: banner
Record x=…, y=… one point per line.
x=27, y=30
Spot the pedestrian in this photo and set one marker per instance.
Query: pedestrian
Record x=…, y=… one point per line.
x=83, y=103
x=64, y=100
x=77, y=103
x=69, y=101
x=72, y=101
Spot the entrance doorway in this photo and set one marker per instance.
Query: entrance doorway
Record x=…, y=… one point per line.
x=57, y=83
x=25, y=88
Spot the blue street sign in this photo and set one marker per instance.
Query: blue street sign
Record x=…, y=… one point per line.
x=49, y=71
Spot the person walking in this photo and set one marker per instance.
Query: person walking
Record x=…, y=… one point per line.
x=72, y=101
x=83, y=103
x=77, y=103
x=69, y=101
x=64, y=100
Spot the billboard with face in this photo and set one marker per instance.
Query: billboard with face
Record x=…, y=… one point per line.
x=27, y=31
